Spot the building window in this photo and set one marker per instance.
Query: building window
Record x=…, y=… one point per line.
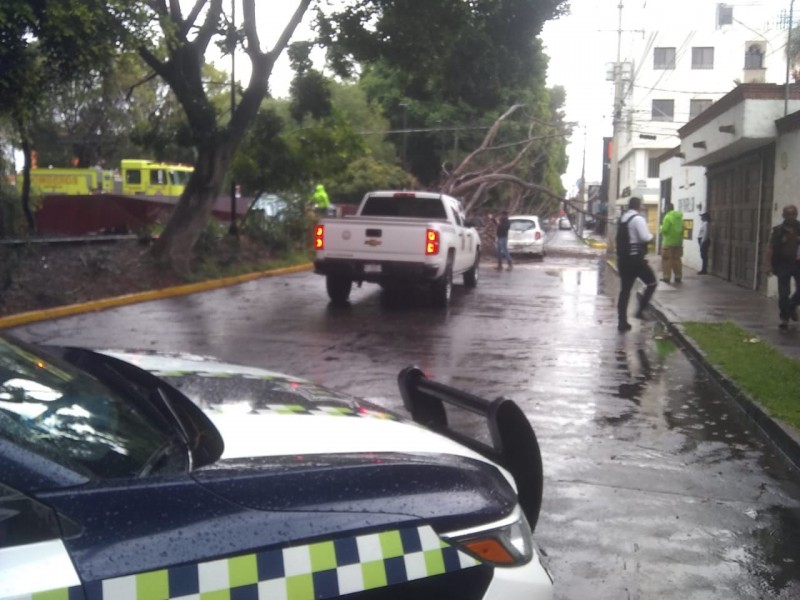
x=663, y=110
x=702, y=57
x=698, y=106
x=754, y=57
x=724, y=15
x=663, y=58
x=652, y=167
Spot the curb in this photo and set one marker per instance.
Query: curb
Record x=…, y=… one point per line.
x=784, y=440
x=158, y=294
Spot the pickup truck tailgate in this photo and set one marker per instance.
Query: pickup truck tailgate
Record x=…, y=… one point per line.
x=372, y=238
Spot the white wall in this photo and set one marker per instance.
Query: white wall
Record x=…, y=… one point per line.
x=667, y=24
x=688, y=196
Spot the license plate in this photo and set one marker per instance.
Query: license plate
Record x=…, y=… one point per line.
x=372, y=268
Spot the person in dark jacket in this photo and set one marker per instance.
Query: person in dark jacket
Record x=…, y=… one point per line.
x=501, y=241
x=783, y=260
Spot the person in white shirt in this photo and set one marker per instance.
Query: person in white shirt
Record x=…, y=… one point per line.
x=704, y=239
x=632, y=239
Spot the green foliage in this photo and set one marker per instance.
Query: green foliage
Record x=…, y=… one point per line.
x=265, y=161
x=365, y=174
x=350, y=100
x=770, y=377
x=311, y=96
x=310, y=90
x=446, y=70
x=450, y=50
x=11, y=217
x=285, y=234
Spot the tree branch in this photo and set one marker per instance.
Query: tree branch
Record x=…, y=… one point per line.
x=488, y=138
x=288, y=31
x=210, y=26
x=496, y=178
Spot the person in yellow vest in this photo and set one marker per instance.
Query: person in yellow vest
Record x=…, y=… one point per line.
x=672, y=244
x=320, y=199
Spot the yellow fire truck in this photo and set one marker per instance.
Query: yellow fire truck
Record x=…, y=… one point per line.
x=135, y=177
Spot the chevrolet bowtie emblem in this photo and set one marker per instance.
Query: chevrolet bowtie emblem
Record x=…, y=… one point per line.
x=372, y=243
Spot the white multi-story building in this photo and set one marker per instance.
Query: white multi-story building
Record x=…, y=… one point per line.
x=675, y=63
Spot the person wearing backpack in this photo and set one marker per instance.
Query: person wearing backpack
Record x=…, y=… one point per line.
x=783, y=260
x=632, y=239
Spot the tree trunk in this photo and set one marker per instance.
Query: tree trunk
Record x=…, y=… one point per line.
x=193, y=210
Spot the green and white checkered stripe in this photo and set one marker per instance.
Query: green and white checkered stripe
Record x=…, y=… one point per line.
x=326, y=569
x=325, y=410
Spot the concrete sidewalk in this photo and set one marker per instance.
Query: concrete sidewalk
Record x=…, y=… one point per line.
x=706, y=298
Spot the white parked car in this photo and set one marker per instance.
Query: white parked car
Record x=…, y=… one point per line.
x=526, y=236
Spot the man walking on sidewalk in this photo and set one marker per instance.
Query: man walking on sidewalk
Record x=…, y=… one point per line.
x=672, y=244
x=632, y=239
x=783, y=258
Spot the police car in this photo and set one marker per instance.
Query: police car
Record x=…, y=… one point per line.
x=142, y=476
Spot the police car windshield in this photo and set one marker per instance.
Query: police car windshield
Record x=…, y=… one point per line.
x=69, y=417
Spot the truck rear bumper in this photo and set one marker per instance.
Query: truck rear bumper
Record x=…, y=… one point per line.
x=376, y=271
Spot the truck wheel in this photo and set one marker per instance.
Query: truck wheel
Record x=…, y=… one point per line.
x=471, y=276
x=338, y=288
x=442, y=288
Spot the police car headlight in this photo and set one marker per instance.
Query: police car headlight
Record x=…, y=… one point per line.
x=505, y=543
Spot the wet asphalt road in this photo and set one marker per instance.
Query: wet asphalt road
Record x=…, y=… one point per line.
x=654, y=485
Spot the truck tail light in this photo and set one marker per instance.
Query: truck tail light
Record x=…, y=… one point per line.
x=431, y=242
x=319, y=237
x=538, y=235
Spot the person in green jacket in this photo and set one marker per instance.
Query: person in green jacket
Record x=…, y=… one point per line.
x=672, y=244
x=320, y=198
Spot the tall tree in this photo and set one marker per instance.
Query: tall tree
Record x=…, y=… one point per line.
x=443, y=71
x=186, y=38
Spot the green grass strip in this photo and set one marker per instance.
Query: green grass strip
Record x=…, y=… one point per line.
x=769, y=377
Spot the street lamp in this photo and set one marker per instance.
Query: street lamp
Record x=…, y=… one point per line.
x=405, y=131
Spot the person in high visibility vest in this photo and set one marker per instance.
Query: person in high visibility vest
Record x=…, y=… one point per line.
x=320, y=198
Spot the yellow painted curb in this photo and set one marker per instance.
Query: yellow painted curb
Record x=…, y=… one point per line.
x=170, y=292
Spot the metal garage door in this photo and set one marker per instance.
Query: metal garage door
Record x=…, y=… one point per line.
x=739, y=199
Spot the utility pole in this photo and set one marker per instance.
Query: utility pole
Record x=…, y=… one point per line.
x=405, y=134
x=613, y=182
x=788, y=59
x=582, y=189
x=234, y=230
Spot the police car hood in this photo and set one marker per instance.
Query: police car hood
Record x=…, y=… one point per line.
x=318, y=449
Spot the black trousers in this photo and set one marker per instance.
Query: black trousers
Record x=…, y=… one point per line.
x=632, y=268
x=704, y=246
x=787, y=302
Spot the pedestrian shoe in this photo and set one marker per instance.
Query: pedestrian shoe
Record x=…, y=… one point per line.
x=624, y=327
x=499, y=267
x=702, y=272
x=510, y=267
x=793, y=313
x=677, y=281
x=784, y=325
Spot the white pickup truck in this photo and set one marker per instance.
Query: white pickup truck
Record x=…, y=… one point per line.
x=398, y=239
